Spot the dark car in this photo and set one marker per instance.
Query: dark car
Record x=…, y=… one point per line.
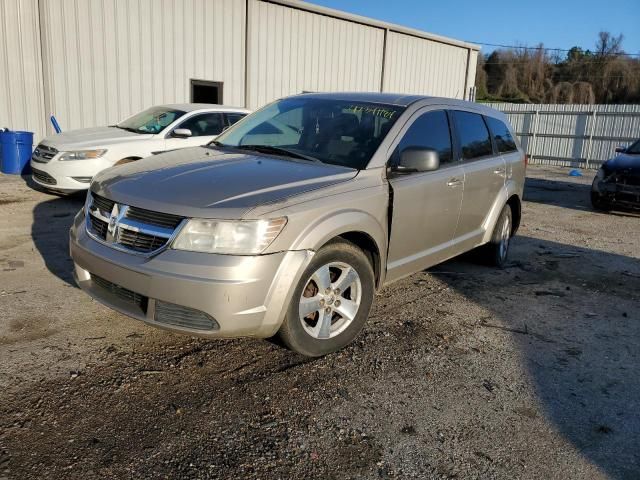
x=617, y=183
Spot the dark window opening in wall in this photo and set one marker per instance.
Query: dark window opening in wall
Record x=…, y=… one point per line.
x=203, y=91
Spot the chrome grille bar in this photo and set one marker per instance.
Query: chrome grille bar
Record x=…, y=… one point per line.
x=110, y=223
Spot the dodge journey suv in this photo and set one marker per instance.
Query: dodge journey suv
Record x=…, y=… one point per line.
x=288, y=223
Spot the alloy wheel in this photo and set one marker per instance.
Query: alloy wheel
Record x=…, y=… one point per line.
x=330, y=300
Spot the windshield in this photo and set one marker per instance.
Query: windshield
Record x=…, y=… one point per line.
x=339, y=132
x=152, y=120
x=633, y=149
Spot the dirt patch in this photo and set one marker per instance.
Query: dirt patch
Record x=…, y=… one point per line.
x=460, y=372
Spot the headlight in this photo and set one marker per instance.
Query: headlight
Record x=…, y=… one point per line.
x=82, y=154
x=248, y=237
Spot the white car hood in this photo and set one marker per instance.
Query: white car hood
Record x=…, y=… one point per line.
x=92, y=137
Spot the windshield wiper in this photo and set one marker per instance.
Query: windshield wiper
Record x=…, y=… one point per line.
x=277, y=151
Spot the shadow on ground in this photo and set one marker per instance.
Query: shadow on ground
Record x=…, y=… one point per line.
x=556, y=192
x=576, y=323
x=50, y=231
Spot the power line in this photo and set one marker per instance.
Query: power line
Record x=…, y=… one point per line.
x=516, y=47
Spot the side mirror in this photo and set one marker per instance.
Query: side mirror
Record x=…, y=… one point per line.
x=181, y=133
x=621, y=149
x=418, y=159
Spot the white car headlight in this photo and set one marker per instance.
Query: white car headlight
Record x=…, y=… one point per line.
x=242, y=237
x=82, y=154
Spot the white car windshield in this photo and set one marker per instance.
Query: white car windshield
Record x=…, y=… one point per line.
x=340, y=132
x=153, y=120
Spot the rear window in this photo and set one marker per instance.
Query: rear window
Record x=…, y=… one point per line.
x=474, y=137
x=501, y=135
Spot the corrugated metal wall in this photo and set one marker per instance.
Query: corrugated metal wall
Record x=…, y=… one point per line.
x=292, y=50
x=572, y=135
x=107, y=59
x=21, y=86
x=471, y=74
x=94, y=62
x=421, y=66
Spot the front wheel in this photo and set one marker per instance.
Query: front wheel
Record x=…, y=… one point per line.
x=331, y=302
x=598, y=203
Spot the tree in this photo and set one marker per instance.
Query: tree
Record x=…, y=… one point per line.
x=606, y=75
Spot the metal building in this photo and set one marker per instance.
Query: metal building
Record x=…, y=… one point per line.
x=94, y=62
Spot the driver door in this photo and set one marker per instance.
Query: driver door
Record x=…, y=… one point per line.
x=426, y=205
x=204, y=127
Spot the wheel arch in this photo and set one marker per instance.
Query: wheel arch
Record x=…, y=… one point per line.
x=509, y=195
x=367, y=244
x=355, y=226
x=131, y=158
x=516, y=212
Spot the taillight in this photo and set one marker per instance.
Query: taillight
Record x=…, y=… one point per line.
x=526, y=159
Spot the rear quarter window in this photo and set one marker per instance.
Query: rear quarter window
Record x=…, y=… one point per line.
x=474, y=136
x=501, y=135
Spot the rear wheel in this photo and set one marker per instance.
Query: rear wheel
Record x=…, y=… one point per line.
x=331, y=302
x=496, y=251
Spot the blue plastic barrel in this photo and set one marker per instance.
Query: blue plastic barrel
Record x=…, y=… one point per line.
x=16, y=150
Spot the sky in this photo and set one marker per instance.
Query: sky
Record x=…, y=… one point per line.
x=555, y=23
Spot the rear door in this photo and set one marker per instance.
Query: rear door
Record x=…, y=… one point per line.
x=204, y=128
x=484, y=175
x=425, y=206
x=506, y=145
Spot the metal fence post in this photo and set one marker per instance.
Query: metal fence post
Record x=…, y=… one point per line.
x=534, y=133
x=590, y=141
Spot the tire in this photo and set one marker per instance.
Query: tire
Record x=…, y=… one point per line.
x=598, y=203
x=333, y=325
x=495, y=252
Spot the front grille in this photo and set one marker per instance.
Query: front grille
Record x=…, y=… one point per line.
x=633, y=180
x=99, y=227
x=140, y=242
x=129, y=228
x=179, y=316
x=43, y=177
x=103, y=204
x=164, y=220
x=43, y=153
x=122, y=293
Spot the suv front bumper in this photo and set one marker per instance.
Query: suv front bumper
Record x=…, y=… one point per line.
x=243, y=295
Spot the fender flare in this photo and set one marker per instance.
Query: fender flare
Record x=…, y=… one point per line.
x=332, y=225
x=509, y=190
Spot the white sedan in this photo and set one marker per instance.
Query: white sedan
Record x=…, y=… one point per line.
x=67, y=161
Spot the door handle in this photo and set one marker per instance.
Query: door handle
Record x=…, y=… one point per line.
x=500, y=171
x=454, y=182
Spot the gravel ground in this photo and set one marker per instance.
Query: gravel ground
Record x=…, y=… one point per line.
x=461, y=372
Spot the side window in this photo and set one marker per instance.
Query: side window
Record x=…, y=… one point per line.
x=234, y=117
x=501, y=135
x=203, y=125
x=474, y=136
x=430, y=130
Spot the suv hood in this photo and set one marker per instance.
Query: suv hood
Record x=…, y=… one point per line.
x=92, y=137
x=623, y=163
x=213, y=183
